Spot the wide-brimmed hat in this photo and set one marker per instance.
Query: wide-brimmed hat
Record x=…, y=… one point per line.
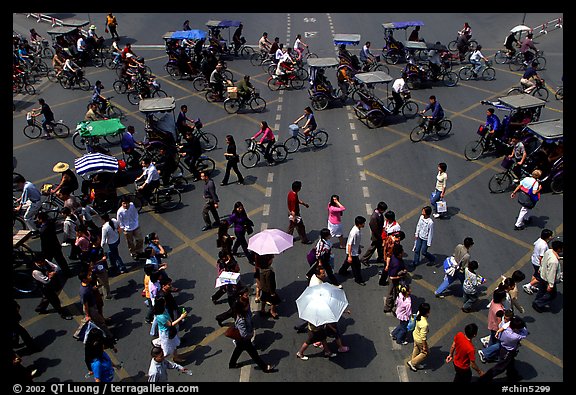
x=92, y=27
x=60, y=167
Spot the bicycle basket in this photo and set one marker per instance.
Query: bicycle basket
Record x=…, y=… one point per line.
x=482, y=130
x=293, y=130
x=232, y=92
x=198, y=124
x=256, y=93
x=507, y=163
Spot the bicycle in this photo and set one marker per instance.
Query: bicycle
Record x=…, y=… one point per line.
x=453, y=45
x=539, y=92
x=251, y=158
x=112, y=111
x=501, y=182
x=318, y=138
x=442, y=128
x=475, y=149
x=289, y=80
x=261, y=58
x=203, y=164
x=138, y=93
x=235, y=103
x=559, y=94
x=22, y=256
x=487, y=72
x=409, y=107
x=518, y=62
x=33, y=129
x=502, y=56
x=375, y=65
x=81, y=142
x=164, y=197
x=69, y=82
x=208, y=140
x=22, y=84
x=17, y=220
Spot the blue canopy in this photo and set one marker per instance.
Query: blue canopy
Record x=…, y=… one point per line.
x=188, y=34
x=346, y=39
x=402, y=25
x=223, y=23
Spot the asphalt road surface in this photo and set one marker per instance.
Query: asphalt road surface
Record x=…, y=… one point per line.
x=362, y=165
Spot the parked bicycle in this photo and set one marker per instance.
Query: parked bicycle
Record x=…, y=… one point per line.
x=318, y=138
x=251, y=158
x=441, y=129
x=164, y=198
x=486, y=72
x=33, y=129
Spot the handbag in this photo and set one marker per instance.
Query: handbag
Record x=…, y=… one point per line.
x=525, y=200
x=441, y=206
x=450, y=266
x=249, y=226
x=233, y=333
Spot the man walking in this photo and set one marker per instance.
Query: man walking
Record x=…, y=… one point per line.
x=353, y=251
x=423, y=236
x=540, y=247
x=462, y=352
x=211, y=204
x=296, y=221
x=549, y=275
x=49, y=243
x=376, y=224
x=127, y=216
x=461, y=258
x=47, y=274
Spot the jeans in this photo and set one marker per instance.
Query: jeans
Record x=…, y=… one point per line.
x=114, y=256
x=400, y=332
x=434, y=199
x=469, y=300
x=30, y=214
x=458, y=275
x=422, y=247
x=477, y=66
x=491, y=352
x=543, y=297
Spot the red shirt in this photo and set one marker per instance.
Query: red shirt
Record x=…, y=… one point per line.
x=293, y=204
x=463, y=351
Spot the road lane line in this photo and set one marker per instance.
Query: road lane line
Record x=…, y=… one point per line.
x=359, y=161
x=365, y=192
x=369, y=210
x=270, y=178
x=402, y=373
x=266, y=210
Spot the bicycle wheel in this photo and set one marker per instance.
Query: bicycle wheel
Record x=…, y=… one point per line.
x=114, y=139
x=29, y=89
x=51, y=209
x=465, y=73
x=17, y=224
x=84, y=84
x=392, y=57
x=159, y=93
x=500, y=182
x=271, y=69
x=311, y=55
x=296, y=83
x=173, y=71
x=452, y=46
x=51, y=75
x=32, y=131
x=375, y=119
x=208, y=141
x=79, y=141
x=209, y=96
x=320, y=139
x=231, y=106
x=500, y=57
x=320, y=102
x=474, y=149
x=47, y=52
x=120, y=86
x=23, y=281
x=110, y=63
x=250, y=159
x=134, y=97
x=557, y=183
x=517, y=62
x=417, y=134
x=410, y=109
x=228, y=75
x=488, y=74
x=256, y=59
x=200, y=84
x=559, y=95
x=450, y=78
x=382, y=67
x=279, y=153
x=515, y=91
x=168, y=198
x=114, y=112
x=274, y=84
x=257, y=104
x=247, y=51
x=60, y=130
x=540, y=63
x=302, y=74
x=23, y=256
x=292, y=144
x=444, y=128
x=205, y=165
x=541, y=93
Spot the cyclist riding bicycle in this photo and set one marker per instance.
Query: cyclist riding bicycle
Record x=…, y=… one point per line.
x=366, y=57
x=152, y=178
x=191, y=150
x=48, y=115
x=475, y=60
x=58, y=62
x=437, y=113
x=217, y=81
x=299, y=46
x=97, y=97
x=264, y=44
x=527, y=45
x=529, y=79
x=128, y=144
x=434, y=61
x=71, y=69
x=509, y=43
x=310, y=124
x=245, y=88
x=493, y=125
x=285, y=66
x=399, y=88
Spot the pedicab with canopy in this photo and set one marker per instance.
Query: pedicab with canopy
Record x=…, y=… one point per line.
x=370, y=109
x=321, y=92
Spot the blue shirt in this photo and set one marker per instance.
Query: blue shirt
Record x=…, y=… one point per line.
x=30, y=192
x=103, y=369
x=96, y=94
x=437, y=111
x=493, y=122
x=530, y=72
x=509, y=339
x=312, y=121
x=127, y=141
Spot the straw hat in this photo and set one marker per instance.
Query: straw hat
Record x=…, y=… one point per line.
x=93, y=27
x=60, y=167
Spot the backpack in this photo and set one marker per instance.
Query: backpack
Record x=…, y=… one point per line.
x=411, y=323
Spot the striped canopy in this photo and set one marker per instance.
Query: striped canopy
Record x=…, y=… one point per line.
x=95, y=163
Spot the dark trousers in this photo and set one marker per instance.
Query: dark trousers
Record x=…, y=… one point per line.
x=190, y=161
x=50, y=296
x=232, y=164
x=19, y=330
x=209, y=207
x=462, y=375
x=268, y=150
x=505, y=363
x=398, y=101
x=375, y=245
x=57, y=256
x=392, y=295
x=113, y=32
x=543, y=297
x=219, y=293
x=246, y=345
x=356, y=270
x=300, y=228
x=241, y=242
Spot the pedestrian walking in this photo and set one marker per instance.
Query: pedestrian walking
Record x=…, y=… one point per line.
x=112, y=25
x=455, y=265
x=353, y=251
x=529, y=186
x=376, y=225
x=111, y=238
x=423, y=237
x=396, y=273
x=242, y=296
x=127, y=216
x=224, y=240
x=47, y=274
x=242, y=226
x=268, y=295
x=440, y=189
x=225, y=263
x=243, y=323
x=232, y=160
x=98, y=266
x=211, y=202
x=391, y=240
x=540, y=247
x=490, y=353
x=49, y=243
x=159, y=365
x=30, y=200
x=102, y=364
x=507, y=285
x=420, y=335
x=324, y=258
x=70, y=226
x=470, y=286
x=17, y=330
x=403, y=311
x=167, y=329
x=496, y=305
x=463, y=354
x=89, y=301
x=335, y=211
x=550, y=274
x=316, y=334
x=294, y=202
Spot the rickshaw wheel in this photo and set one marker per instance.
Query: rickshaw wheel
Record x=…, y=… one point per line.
x=173, y=71
x=557, y=184
x=320, y=102
x=375, y=119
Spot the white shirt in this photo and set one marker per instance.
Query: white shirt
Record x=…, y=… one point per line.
x=425, y=229
x=540, y=247
x=434, y=57
x=110, y=234
x=80, y=44
x=298, y=44
x=354, y=239
x=278, y=54
x=476, y=56
x=399, y=85
x=314, y=280
x=69, y=65
x=151, y=173
x=391, y=227
x=128, y=218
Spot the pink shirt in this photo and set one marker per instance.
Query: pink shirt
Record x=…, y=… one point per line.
x=403, y=307
x=267, y=135
x=335, y=214
x=493, y=321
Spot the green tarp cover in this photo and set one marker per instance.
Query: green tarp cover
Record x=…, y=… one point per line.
x=105, y=127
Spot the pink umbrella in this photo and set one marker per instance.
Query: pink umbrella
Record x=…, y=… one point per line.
x=270, y=241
